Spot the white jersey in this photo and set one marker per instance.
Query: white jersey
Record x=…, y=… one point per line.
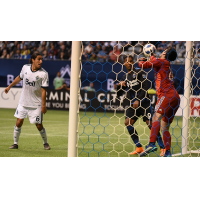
x=31, y=95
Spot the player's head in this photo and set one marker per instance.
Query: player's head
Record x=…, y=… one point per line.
x=36, y=60
x=58, y=74
x=128, y=62
x=169, y=54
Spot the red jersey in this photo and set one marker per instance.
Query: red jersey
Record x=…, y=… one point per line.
x=163, y=75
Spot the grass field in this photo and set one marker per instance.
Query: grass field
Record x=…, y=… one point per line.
x=99, y=135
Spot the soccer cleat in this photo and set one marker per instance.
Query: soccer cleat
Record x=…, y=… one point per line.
x=14, y=146
x=167, y=153
x=149, y=149
x=162, y=152
x=137, y=151
x=46, y=146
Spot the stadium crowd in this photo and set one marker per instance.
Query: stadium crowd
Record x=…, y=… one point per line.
x=103, y=51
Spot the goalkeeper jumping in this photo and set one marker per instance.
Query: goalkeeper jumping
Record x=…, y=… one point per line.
x=135, y=84
x=168, y=98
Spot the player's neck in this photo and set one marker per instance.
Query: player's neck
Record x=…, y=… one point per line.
x=33, y=68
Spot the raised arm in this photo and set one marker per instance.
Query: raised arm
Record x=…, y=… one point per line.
x=153, y=63
x=15, y=82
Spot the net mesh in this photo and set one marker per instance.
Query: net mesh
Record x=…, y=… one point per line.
x=102, y=131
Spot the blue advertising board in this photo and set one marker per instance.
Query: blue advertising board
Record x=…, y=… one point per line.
x=103, y=75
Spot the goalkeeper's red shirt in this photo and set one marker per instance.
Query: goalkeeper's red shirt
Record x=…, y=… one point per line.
x=163, y=75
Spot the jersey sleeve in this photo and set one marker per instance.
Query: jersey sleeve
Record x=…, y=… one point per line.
x=120, y=89
x=153, y=63
x=143, y=79
x=45, y=81
x=21, y=75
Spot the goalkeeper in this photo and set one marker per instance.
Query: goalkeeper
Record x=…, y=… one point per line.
x=136, y=85
x=168, y=98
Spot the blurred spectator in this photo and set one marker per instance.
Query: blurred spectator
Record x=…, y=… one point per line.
x=58, y=81
x=84, y=56
x=90, y=87
x=180, y=48
x=97, y=48
x=14, y=48
x=102, y=56
x=108, y=47
x=161, y=46
x=34, y=49
x=18, y=54
x=25, y=49
x=62, y=56
x=114, y=54
x=63, y=87
x=4, y=47
x=89, y=48
x=22, y=45
x=45, y=55
x=42, y=47
x=26, y=54
x=62, y=53
x=5, y=54
x=52, y=54
x=93, y=58
x=113, y=43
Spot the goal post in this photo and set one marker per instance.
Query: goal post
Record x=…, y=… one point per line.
x=186, y=99
x=74, y=97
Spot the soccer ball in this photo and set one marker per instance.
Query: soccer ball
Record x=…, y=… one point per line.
x=148, y=49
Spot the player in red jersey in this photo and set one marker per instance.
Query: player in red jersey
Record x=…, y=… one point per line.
x=168, y=98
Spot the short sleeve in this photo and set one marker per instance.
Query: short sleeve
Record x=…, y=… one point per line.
x=21, y=75
x=45, y=80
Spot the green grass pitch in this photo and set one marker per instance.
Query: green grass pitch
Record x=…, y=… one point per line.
x=100, y=134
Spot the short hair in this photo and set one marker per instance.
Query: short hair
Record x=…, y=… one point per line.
x=34, y=56
x=171, y=54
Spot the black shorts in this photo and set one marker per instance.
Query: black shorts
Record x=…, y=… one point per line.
x=145, y=110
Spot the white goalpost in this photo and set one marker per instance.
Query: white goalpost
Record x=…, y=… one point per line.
x=186, y=102
x=74, y=97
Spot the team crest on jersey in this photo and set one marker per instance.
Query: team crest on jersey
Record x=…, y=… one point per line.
x=37, y=78
x=134, y=75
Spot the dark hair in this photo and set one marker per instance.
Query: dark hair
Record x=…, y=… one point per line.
x=171, y=54
x=34, y=56
x=127, y=56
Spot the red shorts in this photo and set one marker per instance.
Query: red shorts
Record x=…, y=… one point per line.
x=167, y=106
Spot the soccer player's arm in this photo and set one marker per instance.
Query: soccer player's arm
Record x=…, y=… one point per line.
x=153, y=63
x=121, y=87
x=45, y=84
x=144, y=87
x=16, y=81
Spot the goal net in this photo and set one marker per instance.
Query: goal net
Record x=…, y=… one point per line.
x=99, y=129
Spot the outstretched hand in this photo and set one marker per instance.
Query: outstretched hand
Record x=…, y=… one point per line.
x=142, y=59
x=123, y=83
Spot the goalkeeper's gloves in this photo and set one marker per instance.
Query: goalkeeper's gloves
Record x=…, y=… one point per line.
x=142, y=59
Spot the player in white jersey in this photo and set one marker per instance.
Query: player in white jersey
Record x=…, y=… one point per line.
x=33, y=98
